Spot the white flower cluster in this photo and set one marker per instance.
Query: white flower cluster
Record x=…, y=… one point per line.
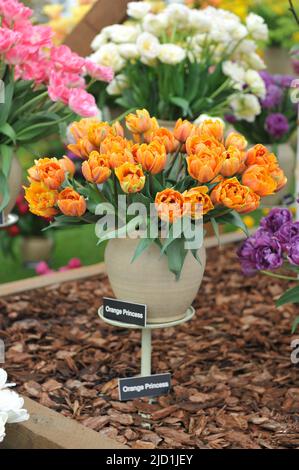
x=179, y=32
x=11, y=405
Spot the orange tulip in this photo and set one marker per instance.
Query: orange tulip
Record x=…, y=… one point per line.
x=98, y=132
x=96, y=169
x=140, y=122
x=182, y=130
x=252, y=202
x=41, y=199
x=166, y=137
x=82, y=148
x=117, y=129
x=258, y=178
x=212, y=128
x=147, y=136
x=232, y=194
x=169, y=205
x=233, y=161
x=118, y=149
x=196, y=144
x=198, y=201
x=280, y=178
x=71, y=203
x=205, y=166
x=79, y=129
x=130, y=177
x=49, y=171
x=67, y=165
x=152, y=157
x=237, y=140
x=260, y=155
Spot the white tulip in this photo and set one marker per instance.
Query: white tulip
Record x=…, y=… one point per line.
x=109, y=56
x=3, y=380
x=199, y=21
x=148, y=45
x=254, y=61
x=247, y=47
x=128, y=51
x=178, y=14
x=3, y=420
x=155, y=24
x=255, y=83
x=257, y=27
x=99, y=41
x=138, y=10
x=12, y=404
x=234, y=71
x=121, y=33
x=171, y=54
x=117, y=85
x=206, y=117
x=245, y=107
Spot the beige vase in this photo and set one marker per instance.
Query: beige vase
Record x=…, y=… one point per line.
x=287, y=161
x=36, y=249
x=15, y=184
x=149, y=281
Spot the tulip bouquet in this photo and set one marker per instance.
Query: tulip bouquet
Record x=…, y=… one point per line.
x=11, y=405
x=278, y=118
x=183, y=62
x=274, y=250
x=194, y=173
x=41, y=86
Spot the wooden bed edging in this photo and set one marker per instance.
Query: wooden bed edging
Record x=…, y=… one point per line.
x=47, y=429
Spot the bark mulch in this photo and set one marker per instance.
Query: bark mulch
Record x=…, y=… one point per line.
x=234, y=385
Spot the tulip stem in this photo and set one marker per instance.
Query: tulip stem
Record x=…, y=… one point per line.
x=115, y=191
x=151, y=183
x=280, y=276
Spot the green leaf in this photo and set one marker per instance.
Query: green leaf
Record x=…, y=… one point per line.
x=7, y=130
x=291, y=296
x=216, y=229
x=181, y=103
x=172, y=232
x=295, y=325
x=143, y=245
x=5, y=107
x=6, y=154
x=176, y=254
x=123, y=231
x=234, y=219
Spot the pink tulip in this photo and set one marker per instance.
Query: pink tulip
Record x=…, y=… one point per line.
x=67, y=60
x=82, y=103
x=12, y=11
x=57, y=89
x=99, y=72
x=8, y=38
x=74, y=263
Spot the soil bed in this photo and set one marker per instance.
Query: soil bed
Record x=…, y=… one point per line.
x=234, y=385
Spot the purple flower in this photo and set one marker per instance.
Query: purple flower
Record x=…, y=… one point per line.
x=246, y=255
x=277, y=125
x=268, y=252
x=275, y=219
x=284, y=81
x=287, y=233
x=230, y=118
x=293, y=255
x=295, y=64
x=267, y=77
x=273, y=97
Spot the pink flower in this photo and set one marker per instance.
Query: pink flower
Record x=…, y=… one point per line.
x=74, y=263
x=12, y=11
x=35, y=37
x=67, y=60
x=42, y=269
x=82, y=103
x=17, y=55
x=99, y=72
x=34, y=69
x=57, y=89
x=8, y=38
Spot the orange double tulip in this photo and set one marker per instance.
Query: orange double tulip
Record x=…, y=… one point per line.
x=205, y=165
x=71, y=203
x=49, y=171
x=258, y=178
x=97, y=168
x=151, y=156
x=198, y=202
x=233, y=161
x=232, y=194
x=236, y=140
x=41, y=199
x=169, y=205
x=213, y=128
x=82, y=148
x=130, y=177
x=182, y=130
x=140, y=122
